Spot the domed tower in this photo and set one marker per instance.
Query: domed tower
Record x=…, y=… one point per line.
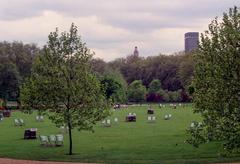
x=135, y=52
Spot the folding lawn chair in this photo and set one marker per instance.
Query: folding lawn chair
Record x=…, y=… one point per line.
x=59, y=140
x=52, y=140
x=44, y=140
x=21, y=122
x=16, y=122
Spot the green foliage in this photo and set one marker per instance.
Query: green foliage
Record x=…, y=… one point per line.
x=9, y=80
x=16, y=62
x=136, y=91
x=216, y=80
x=185, y=70
x=63, y=84
x=19, y=54
x=175, y=96
x=154, y=86
x=196, y=134
x=174, y=71
x=114, y=86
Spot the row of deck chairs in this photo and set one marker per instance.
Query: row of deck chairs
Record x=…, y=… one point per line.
x=167, y=116
x=107, y=122
x=19, y=122
x=151, y=118
x=51, y=140
x=39, y=118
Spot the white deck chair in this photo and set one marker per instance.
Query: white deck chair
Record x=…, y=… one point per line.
x=16, y=122
x=166, y=117
x=21, y=122
x=59, y=140
x=52, y=140
x=41, y=118
x=192, y=125
x=153, y=118
x=44, y=140
x=149, y=118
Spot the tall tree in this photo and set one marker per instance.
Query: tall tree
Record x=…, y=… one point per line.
x=216, y=82
x=63, y=84
x=136, y=91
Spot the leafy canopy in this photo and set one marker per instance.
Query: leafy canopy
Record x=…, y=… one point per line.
x=136, y=91
x=216, y=82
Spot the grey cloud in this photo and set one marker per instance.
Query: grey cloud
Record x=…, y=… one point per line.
x=137, y=17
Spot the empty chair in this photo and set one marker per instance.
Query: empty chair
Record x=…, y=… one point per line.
x=169, y=115
x=21, y=122
x=149, y=118
x=52, y=140
x=40, y=118
x=166, y=117
x=104, y=122
x=63, y=129
x=59, y=140
x=153, y=118
x=192, y=125
x=199, y=123
x=37, y=118
x=115, y=119
x=44, y=140
x=107, y=123
x=16, y=122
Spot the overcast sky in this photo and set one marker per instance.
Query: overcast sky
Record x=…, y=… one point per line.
x=111, y=28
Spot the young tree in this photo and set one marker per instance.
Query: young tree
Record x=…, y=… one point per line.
x=216, y=82
x=136, y=91
x=62, y=84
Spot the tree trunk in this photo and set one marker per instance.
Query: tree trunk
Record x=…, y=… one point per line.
x=70, y=138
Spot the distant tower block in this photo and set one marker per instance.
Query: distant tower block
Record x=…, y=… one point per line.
x=191, y=41
x=135, y=52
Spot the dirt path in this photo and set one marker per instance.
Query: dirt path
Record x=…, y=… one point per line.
x=13, y=161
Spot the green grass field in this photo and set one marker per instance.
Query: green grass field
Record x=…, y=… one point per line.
x=123, y=142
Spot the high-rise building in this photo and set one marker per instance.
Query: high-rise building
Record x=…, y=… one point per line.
x=191, y=41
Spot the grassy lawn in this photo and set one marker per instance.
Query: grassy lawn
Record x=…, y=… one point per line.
x=123, y=142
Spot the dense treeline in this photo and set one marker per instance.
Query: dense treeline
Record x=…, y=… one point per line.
x=121, y=78
x=16, y=61
x=174, y=72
